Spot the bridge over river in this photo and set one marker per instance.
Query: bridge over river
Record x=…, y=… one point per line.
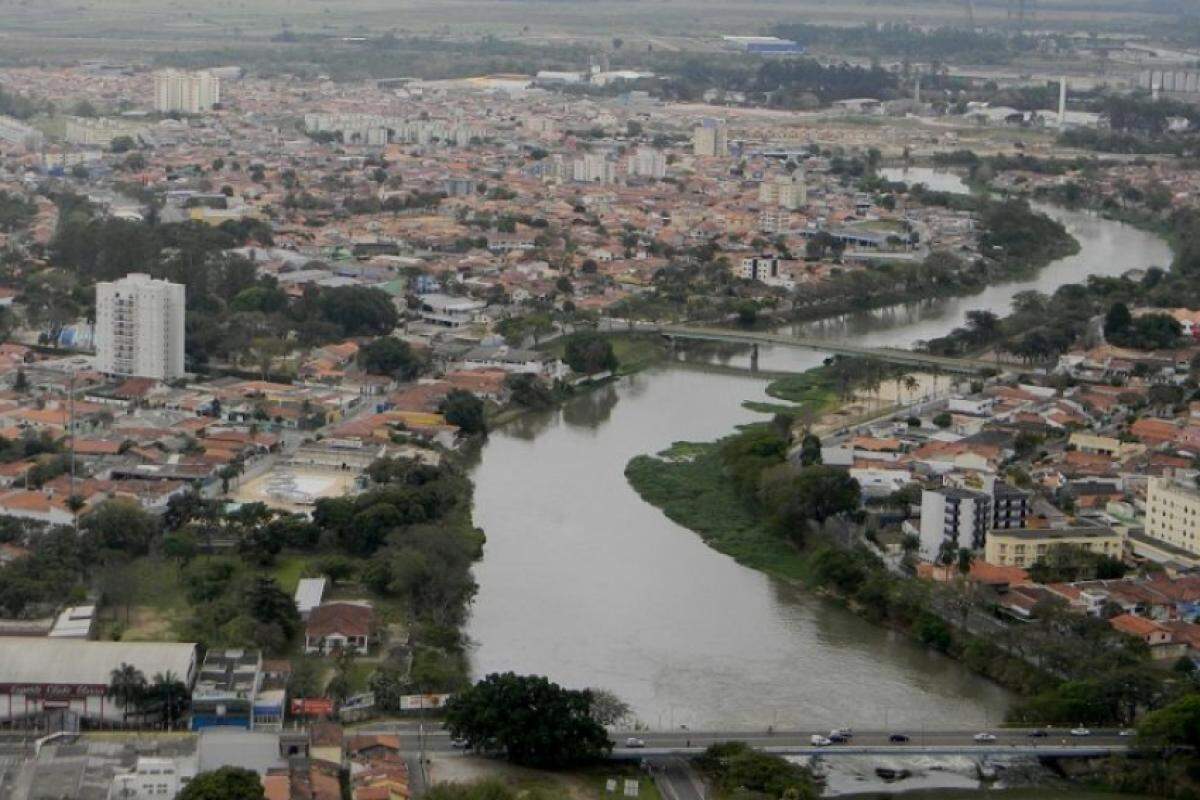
x=894, y=355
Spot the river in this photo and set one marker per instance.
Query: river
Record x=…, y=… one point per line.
x=585, y=583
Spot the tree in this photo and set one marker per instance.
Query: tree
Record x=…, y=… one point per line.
x=122, y=144
x=226, y=783
x=127, y=685
x=810, y=450
x=464, y=409
x=943, y=420
x=792, y=497
x=359, y=310
x=607, y=708
x=121, y=525
x=588, y=352
x=528, y=391
x=1117, y=320
x=390, y=356
x=534, y=722
x=267, y=604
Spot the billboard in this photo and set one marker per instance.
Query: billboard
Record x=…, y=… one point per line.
x=416, y=702
x=312, y=707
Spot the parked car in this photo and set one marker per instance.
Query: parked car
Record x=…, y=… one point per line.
x=1037, y=734
x=820, y=741
x=1080, y=732
x=633, y=741
x=898, y=738
x=459, y=744
x=985, y=737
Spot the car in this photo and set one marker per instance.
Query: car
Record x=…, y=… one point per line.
x=1080, y=732
x=821, y=741
x=1127, y=732
x=633, y=741
x=985, y=737
x=837, y=738
x=1037, y=734
x=845, y=733
x=898, y=738
x=459, y=744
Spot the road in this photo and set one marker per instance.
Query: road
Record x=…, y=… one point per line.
x=668, y=745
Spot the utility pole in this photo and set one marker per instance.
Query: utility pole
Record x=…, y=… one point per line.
x=71, y=422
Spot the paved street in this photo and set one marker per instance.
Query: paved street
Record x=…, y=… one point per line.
x=686, y=742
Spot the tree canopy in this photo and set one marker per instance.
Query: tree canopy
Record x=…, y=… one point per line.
x=226, y=783
x=533, y=721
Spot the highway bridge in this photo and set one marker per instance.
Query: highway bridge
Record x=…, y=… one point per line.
x=894, y=355
x=660, y=745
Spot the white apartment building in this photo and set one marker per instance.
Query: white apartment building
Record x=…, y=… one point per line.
x=768, y=269
x=648, y=162
x=711, y=138
x=186, y=92
x=139, y=327
x=1173, y=514
x=18, y=134
x=786, y=191
x=959, y=516
x=593, y=168
x=152, y=779
x=99, y=132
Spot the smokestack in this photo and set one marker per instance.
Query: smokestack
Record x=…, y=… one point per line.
x=1062, y=103
x=917, y=96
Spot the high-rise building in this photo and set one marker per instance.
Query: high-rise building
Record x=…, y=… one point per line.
x=186, y=92
x=711, y=138
x=1173, y=513
x=593, y=168
x=785, y=191
x=648, y=162
x=958, y=516
x=139, y=327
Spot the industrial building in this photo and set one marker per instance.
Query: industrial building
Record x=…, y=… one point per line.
x=63, y=683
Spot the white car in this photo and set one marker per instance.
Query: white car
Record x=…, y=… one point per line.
x=985, y=737
x=820, y=741
x=1080, y=732
x=459, y=744
x=1127, y=732
x=633, y=741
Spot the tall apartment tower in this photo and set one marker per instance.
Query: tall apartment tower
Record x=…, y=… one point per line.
x=711, y=138
x=648, y=162
x=139, y=327
x=186, y=92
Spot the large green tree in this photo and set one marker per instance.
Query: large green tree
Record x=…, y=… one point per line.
x=226, y=783
x=122, y=525
x=588, y=352
x=533, y=721
x=390, y=356
x=465, y=410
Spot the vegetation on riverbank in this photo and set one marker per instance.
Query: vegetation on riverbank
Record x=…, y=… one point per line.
x=1071, y=669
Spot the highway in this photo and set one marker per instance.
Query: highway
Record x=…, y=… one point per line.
x=672, y=744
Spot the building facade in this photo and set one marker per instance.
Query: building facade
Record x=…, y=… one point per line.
x=958, y=516
x=711, y=138
x=186, y=92
x=140, y=327
x=1024, y=548
x=1173, y=514
x=648, y=162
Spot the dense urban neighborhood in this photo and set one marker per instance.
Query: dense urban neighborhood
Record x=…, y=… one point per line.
x=360, y=396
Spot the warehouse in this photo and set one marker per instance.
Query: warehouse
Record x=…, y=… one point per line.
x=61, y=684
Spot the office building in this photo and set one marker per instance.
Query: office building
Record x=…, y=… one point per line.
x=711, y=138
x=648, y=162
x=959, y=516
x=1173, y=514
x=1024, y=548
x=139, y=327
x=1010, y=506
x=186, y=92
x=768, y=269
